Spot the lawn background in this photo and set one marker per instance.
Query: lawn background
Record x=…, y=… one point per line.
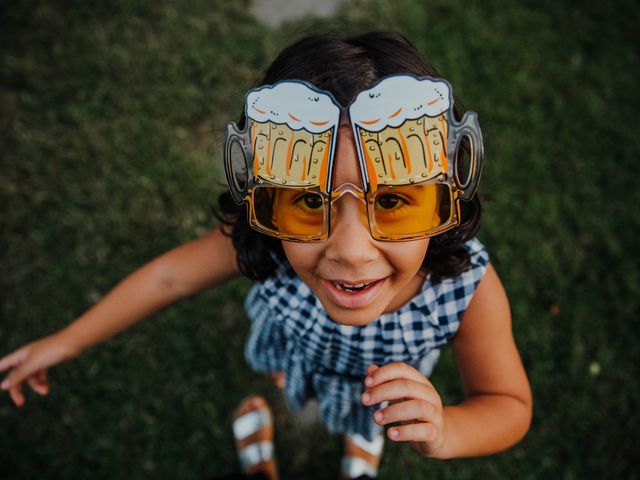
x=111, y=120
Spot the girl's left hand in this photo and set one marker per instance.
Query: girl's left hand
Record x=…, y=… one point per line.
x=415, y=406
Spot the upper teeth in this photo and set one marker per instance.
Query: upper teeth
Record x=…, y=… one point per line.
x=351, y=286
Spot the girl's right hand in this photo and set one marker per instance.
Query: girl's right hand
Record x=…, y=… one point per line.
x=30, y=363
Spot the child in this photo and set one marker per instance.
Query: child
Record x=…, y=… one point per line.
x=360, y=236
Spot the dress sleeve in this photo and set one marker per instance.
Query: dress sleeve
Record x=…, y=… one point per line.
x=456, y=293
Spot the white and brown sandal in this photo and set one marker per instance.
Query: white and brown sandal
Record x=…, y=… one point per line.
x=253, y=433
x=361, y=456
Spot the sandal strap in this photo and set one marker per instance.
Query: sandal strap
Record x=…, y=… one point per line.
x=354, y=467
x=255, y=453
x=250, y=423
x=372, y=447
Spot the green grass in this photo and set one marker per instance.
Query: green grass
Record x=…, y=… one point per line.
x=111, y=120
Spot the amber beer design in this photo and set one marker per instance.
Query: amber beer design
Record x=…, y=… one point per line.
x=288, y=157
x=293, y=132
x=401, y=128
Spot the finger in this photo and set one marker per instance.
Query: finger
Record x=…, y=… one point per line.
x=409, y=411
x=399, y=389
x=12, y=359
x=393, y=371
x=43, y=379
x=372, y=368
x=17, y=375
x=16, y=395
x=415, y=432
x=37, y=385
x=42, y=376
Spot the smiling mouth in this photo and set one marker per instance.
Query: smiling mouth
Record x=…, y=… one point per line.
x=354, y=294
x=354, y=287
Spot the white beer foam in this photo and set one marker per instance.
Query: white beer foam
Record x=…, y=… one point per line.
x=400, y=98
x=295, y=104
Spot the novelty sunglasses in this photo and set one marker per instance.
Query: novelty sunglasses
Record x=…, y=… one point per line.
x=410, y=154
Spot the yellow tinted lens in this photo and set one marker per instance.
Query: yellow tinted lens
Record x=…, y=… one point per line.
x=289, y=211
x=411, y=209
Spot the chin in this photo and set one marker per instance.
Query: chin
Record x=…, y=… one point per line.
x=353, y=318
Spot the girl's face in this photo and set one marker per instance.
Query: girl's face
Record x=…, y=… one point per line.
x=355, y=277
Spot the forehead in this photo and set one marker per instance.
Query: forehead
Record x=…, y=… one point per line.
x=346, y=163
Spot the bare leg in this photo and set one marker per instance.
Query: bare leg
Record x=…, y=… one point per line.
x=278, y=379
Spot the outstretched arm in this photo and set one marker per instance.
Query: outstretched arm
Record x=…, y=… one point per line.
x=183, y=271
x=497, y=410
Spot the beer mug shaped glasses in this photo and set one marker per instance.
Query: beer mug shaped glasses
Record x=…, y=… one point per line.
x=409, y=150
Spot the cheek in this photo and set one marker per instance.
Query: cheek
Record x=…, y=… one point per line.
x=407, y=257
x=303, y=257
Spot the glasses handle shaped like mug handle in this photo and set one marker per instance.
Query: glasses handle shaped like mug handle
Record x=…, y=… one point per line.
x=236, y=168
x=470, y=128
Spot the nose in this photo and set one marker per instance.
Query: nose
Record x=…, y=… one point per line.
x=350, y=242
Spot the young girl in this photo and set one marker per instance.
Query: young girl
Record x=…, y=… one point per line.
x=357, y=222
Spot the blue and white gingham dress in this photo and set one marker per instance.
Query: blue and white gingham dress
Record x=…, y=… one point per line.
x=291, y=332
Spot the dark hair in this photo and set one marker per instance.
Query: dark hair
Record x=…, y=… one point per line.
x=344, y=65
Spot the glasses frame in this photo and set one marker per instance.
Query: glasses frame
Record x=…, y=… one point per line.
x=243, y=191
